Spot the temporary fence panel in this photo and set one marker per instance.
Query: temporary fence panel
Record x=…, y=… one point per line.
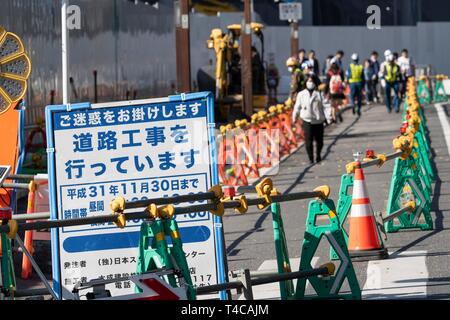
x=140, y=150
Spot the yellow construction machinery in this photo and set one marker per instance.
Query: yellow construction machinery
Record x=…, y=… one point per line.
x=228, y=69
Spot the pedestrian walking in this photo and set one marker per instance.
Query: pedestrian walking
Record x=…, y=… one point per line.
x=309, y=107
x=390, y=80
x=406, y=70
x=314, y=62
x=327, y=65
x=375, y=70
x=301, y=56
x=355, y=80
x=335, y=91
x=368, y=81
x=338, y=60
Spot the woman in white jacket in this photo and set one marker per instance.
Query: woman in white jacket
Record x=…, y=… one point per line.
x=309, y=108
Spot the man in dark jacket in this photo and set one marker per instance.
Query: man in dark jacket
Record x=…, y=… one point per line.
x=375, y=65
x=314, y=62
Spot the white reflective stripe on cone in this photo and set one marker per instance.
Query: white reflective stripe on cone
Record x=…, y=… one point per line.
x=360, y=190
x=361, y=210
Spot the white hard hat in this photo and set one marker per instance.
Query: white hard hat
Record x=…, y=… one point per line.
x=306, y=64
x=355, y=56
x=387, y=53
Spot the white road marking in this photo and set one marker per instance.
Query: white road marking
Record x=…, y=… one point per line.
x=444, y=123
x=402, y=276
x=271, y=291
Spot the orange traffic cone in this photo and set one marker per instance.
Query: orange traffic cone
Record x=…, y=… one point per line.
x=363, y=235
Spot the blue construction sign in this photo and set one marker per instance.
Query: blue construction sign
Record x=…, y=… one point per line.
x=139, y=149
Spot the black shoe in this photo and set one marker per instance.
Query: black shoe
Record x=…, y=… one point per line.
x=359, y=112
x=318, y=159
x=397, y=110
x=341, y=119
x=353, y=110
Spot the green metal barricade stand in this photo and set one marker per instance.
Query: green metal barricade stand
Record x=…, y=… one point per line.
x=423, y=118
x=326, y=287
x=284, y=265
x=423, y=161
x=343, y=210
x=8, y=278
x=407, y=174
x=439, y=92
x=422, y=146
x=423, y=94
x=154, y=252
x=177, y=252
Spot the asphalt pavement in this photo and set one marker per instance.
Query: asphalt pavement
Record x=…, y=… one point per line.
x=418, y=266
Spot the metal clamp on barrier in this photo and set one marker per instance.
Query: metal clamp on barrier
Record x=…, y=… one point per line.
x=414, y=120
x=403, y=143
x=330, y=267
x=370, y=160
x=152, y=211
x=243, y=207
x=218, y=196
x=264, y=190
x=13, y=228
x=118, y=209
x=167, y=212
x=324, y=192
x=32, y=186
x=381, y=159
x=350, y=167
x=164, y=212
x=408, y=207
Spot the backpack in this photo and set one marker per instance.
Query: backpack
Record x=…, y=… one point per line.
x=335, y=84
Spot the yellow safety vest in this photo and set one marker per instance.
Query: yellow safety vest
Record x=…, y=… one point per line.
x=391, y=72
x=357, y=71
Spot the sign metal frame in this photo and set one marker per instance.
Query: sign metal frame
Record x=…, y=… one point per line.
x=214, y=177
x=294, y=11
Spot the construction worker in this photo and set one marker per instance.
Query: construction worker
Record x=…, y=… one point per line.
x=390, y=76
x=309, y=107
x=355, y=80
x=297, y=78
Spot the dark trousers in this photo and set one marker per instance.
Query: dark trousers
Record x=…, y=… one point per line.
x=313, y=132
x=387, y=95
x=356, y=93
x=369, y=90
